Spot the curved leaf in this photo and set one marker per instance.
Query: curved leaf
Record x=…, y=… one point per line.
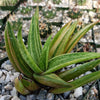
x=26, y=55
x=9, y=50
x=51, y=80
x=64, y=60
x=74, y=40
x=28, y=83
x=34, y=43
x=77, y=83
x=75, y=72
x=43, y=62
x=13, y=50
x=20, y=87
x=57, y=39
x=60, y=48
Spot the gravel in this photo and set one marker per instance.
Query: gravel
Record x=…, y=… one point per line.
x=9, y=92
x=8, y=73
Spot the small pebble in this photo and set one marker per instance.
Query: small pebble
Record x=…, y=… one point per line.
x=8, y=67
x=78, y=92
x=31, y=97
x=16, y=98
x=2, y=79
x=8, y=87
x=22, y=97
x=66, y=94
x=14, y=92
x=50, y=96
x=7, y=78
x=42, y=95
x=6, y=97
x=1, y=73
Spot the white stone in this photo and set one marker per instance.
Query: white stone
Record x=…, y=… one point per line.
x=14, y=92
x=8, y=67
x=88, y=72
x=12, y=78
x=92, y=14
x=8, y=87
x=7, y=78
x=81, y=75
x=1, y=73
x=78, y=92
x=5, y=97
x=73, y=99
x=16, y=74
x=5, y=72
x=15, y=98
x=89, y=4
x=92, y=92
x=2, y=79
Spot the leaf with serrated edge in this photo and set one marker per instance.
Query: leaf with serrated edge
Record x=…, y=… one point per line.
x=26, y=55
x=43, y=62
x=29, y=84
x=77, y=83
x=60, y=48
x=64, y=60
x=57, y=39
x=75, y=72
x=51, y=80
x=34, y=43
x=9, y=50
x=14, y=49
x=74, y=40
x=20, y=87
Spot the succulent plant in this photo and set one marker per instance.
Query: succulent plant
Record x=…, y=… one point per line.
x=37, y=1
x=45, y=29
x=25, y=10
x=56, y=1
x=81, y=2
x=8, y=2
x=74, y=13
x=49, y=12
x=41, y=66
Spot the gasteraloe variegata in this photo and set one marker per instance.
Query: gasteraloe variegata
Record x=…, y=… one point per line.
x=40, y=65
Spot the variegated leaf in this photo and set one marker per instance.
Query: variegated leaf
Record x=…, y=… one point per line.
x=75, y=72
x=64, y=60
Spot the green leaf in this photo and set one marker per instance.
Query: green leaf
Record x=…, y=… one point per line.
x=74, y=40
x=57, y=39
x=34, y=43
x=43, y=62
x=20, y=87
x=75, y=72
x=64, y=60
x=9, y=50
x=51, y=80
x=77, y=83
x=26, y=55
x=15, y=56
x=29, y=84
x=60, y=48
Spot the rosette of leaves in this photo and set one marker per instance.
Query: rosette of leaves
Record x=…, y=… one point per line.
x=49, y=12
x=45, y=29
x=9, y=2
x=25, y=10
x=16, y=24
x=41, y=65
x=81, y=2
x=74, y=13
x=37, y=1
x=56, y=1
